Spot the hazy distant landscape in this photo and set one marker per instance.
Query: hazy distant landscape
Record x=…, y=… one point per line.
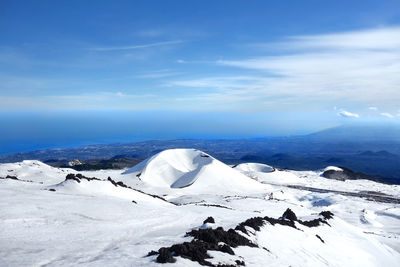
x=373, y=150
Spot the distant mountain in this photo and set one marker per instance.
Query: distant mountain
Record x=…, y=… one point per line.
x=358, y=133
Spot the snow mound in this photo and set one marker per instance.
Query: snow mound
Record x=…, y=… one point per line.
x=254, y=167
x=33, y=170
x=370, y=217
x=74, y=162
x=96, y=187
x=267, y=174
x=180, y=168
x=333, y=168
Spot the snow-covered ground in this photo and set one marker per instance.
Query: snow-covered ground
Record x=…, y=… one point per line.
x=47, y=220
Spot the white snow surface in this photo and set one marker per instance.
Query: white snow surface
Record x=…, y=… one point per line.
x=254, y=167
x=95, y=223
x=267, y=174
x=333, y=168
x=34, y=170
x=181, y=168
x=106, y=189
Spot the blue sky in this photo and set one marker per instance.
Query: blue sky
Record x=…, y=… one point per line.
x=208, y=68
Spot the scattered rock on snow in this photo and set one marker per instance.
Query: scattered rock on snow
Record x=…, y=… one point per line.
x=326, y=214
x=320, y=238
x=209, y=220
x=289, y=215
x=77, y=177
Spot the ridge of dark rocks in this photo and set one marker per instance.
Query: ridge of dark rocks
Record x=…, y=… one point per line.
x=221, y=240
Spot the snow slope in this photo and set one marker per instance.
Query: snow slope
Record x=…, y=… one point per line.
x=101, y=188
x=49, y=221
x=181, y=168
x=340, y=245
x=34, y=170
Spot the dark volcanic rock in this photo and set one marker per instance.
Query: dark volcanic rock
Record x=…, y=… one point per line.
x=313, y=223
x=72, y=176
x=152, y=253
x=204, y=240
x=211, y=239
x=345, y=174
x=164, y=256
x=196, y=250
x=78, y=177
x=280, y=221
x=121, y=184
x=289, y=215
x=320, y=238
x=326, y=214
x=209, y=220
x=11, y=177
x=226, y=249
x=213, y=205
x=214, y=236
x=240, y=263
x=255, y=223
x=17, y=179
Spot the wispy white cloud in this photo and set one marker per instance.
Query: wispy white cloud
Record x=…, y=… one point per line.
x=347, y=114
x=132, y=47
x=357, y=67
x=373, y=108
x=157, y=74
x=383, y=39
x=350, y=69
x=227, y=82
x=387, y=115
x=89, y=101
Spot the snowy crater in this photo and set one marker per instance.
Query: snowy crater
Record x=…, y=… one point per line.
x=180, y=168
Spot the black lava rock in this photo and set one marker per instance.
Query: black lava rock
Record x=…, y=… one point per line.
x=255, y=223
x=289, y=215
x=164, y=256
x=211, y=239
x=209, y=220
x=320, y=238
x=326, y=214
x=345, y=174
x=72, y=176
x=214, y=236
x=78, y=177
x=152, y=253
